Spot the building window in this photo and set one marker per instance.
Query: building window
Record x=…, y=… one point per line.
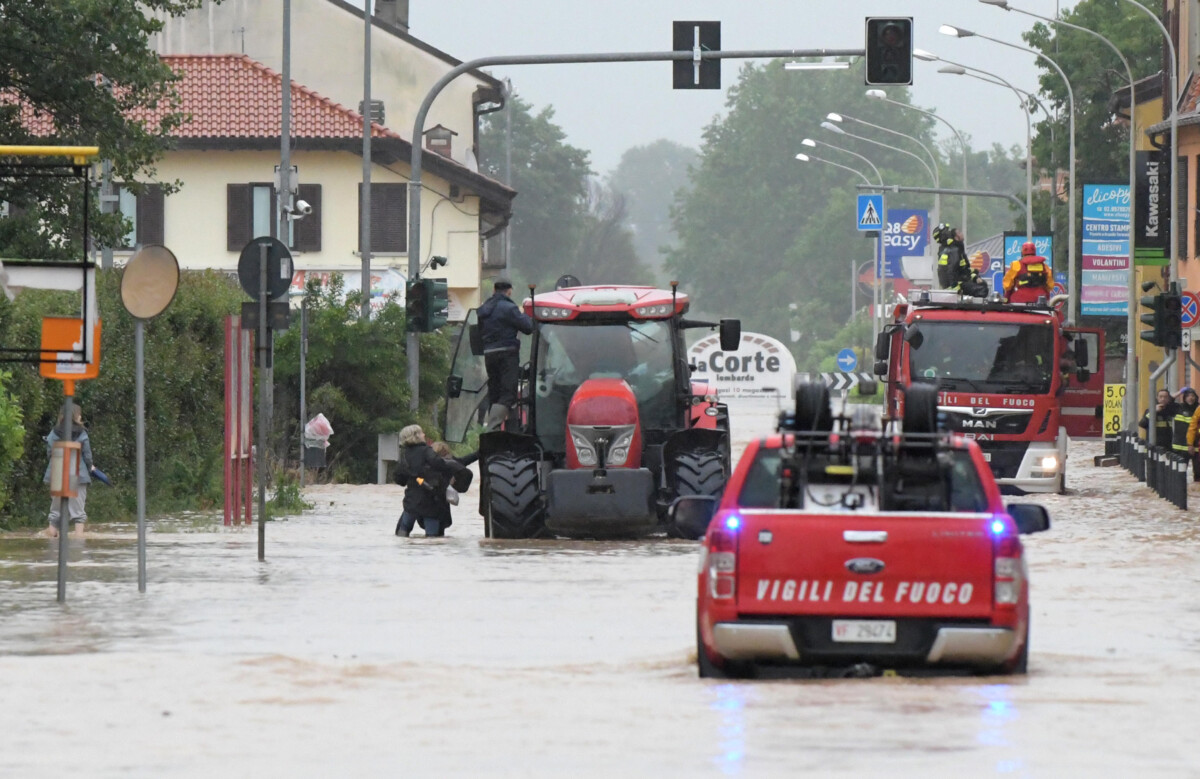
x=251, y=211
x=389, y=218
x=144, y=212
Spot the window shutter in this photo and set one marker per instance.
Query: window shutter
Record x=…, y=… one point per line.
x=389, y=217
x=150, y=215
x=308, y=230
x=238, y=213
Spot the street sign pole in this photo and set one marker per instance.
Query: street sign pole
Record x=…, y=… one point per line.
x=263, y=393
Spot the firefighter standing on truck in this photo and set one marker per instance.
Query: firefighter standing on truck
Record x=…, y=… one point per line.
x=953, y=268
x=1029, y=278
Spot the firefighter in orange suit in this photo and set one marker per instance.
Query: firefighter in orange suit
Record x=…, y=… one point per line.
x=1028, y=278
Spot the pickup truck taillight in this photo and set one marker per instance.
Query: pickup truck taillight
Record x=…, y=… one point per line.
x=1008, y=570
x=722, y=560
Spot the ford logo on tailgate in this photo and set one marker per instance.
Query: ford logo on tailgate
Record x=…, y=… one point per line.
x=864, y=565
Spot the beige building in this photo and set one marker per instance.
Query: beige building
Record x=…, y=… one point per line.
x=230, y=56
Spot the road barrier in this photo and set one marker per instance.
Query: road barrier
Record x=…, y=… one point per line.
x=1163, y=471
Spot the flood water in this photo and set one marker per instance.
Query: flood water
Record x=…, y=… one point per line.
x=350, y=652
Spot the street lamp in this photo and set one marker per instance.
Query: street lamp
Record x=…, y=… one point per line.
x=1131, y=388
x=834, y=128
x=1072, y=285
x=878, y=241
x=811, y=143
x=879, y=94
x=937, y=207
x=959, y=69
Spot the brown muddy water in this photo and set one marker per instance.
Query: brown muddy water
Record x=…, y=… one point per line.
x=350, y=652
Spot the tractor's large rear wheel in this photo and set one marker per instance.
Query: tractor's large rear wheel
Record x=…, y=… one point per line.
x=696, y=473
x=515, y=506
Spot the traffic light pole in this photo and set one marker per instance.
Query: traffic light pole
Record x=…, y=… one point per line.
x=414, y=186
x=1151, y=439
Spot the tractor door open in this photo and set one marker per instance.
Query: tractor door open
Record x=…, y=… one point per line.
x=466, y=386
x=1083, y=397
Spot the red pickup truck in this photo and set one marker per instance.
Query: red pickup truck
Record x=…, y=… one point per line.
x=855, y=549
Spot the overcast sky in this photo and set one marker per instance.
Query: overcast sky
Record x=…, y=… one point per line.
x=607, y=108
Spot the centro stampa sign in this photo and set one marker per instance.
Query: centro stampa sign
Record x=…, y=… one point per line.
x=761, y=366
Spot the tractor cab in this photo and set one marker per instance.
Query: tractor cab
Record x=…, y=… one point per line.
x=605, y=409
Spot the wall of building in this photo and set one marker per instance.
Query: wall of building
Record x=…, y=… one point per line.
x=327, y=55
x=195, y=217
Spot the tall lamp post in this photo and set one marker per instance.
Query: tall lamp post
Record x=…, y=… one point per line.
x=837, y=118
x=878, y=241
x=879, y=94
x=1131, y=388
x=1072, y=284
x=960, y=69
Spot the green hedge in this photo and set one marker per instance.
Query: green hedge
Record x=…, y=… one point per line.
x=356, y=376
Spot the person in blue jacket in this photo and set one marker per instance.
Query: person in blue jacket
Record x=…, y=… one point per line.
x=500, y=320
x=76, y=506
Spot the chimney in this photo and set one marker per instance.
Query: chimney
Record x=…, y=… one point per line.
x=394, y=12
x=438, y=138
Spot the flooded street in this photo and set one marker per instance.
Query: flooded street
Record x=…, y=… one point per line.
x=351, y=652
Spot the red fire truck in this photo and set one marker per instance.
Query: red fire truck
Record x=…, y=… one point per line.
x=851, y=550
x=1014, y=377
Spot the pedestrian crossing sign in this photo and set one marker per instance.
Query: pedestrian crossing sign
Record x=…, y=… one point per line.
x=870, y=212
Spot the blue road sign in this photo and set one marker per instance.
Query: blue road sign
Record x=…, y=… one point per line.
x=1189, y=311
x=870, y=212
x=847, y=360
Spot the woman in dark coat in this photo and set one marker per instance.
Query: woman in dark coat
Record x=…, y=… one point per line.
x=425, y=477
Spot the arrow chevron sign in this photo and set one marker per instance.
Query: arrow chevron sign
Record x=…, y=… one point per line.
x=844, y=381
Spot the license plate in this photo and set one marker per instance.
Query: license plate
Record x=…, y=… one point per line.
x=987, y=457
x=865, y=631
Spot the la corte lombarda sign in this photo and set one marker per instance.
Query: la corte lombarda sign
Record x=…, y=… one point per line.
x=761, y=366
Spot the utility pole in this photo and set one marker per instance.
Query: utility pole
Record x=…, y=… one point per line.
x=364, y=227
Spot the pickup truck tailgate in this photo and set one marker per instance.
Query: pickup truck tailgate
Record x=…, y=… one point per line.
x=882, y=564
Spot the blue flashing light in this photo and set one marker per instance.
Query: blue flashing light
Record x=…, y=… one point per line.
x=997, y=527
x=734, y=522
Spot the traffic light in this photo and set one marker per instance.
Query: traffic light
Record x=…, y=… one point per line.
x=1156, y=318
x=889, y=50
x=1172, y=331
x=437, y=306
x=416, y=306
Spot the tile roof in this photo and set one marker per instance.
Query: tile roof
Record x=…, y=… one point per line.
x=232, y=96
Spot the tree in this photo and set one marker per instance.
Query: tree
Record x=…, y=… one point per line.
x=1097, y=74
x=604, y=252
x=759, y=230
x=551, y=178
x=649, y=177
x=87, y=68
x=356, y=375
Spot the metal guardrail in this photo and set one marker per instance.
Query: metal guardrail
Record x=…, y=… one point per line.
x=1163, y=471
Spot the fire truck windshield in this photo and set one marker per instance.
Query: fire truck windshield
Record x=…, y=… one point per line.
x=569, y=354
x=983, y=357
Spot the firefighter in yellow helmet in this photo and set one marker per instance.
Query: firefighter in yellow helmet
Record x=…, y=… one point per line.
x=1028, y=278
x=953, y=268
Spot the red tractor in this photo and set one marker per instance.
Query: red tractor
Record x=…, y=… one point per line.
x=609, y=428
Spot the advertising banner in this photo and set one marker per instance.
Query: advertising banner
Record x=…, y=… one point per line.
x=906, y=234
x=761, y=366
x=1104, y=258
x=1152, y=222
x=1012, y=251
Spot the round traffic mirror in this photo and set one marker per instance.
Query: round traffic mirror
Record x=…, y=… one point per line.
x=150, y=281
